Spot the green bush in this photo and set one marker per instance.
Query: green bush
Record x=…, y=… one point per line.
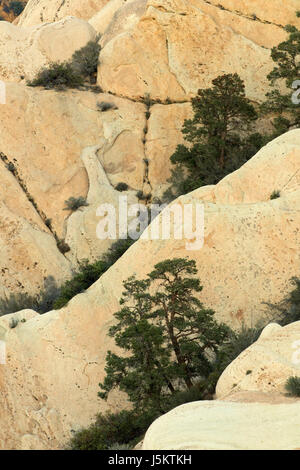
x=51, y=296
x=16, y=7
x=85, y=61
x=58, y=75
x=73, y=203
x=240, y=340
x=292, y=386
x=124, y=427
x=18, y=301
x=141, y=196
x=275, y=194
x=86, y=276
x=121, y=187
x=195, y=393
x=105, y=106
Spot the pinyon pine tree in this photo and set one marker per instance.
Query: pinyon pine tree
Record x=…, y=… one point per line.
x=168, y=338
x=287, y=71
x=218, y=137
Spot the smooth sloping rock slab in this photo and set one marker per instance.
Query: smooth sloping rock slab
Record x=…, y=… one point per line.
x=265, y=365
x=214, y=425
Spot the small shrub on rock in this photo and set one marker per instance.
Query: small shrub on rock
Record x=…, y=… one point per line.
x=275, y=194
x=292, y=386
x=121, y=187
x=73, y=203
x=59, y=75
x=105, y=106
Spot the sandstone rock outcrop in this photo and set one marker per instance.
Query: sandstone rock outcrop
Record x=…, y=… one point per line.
x=24, y=51
x=7, y=13
x=29, y=254
x=50, y=164
x=117, y=16
x=251, y=410
x=57, y=145
x=50, y=131
x=225, y=425
x=151, y=56
x=250, y=252
x=259, y=10
x=49, y=11
x=266, y=365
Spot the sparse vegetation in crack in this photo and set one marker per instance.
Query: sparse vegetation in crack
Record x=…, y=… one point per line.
x=58, y=10
x=61, y=245
x=74, y=203
x=252, y=17
x=143, y=195
x=143, y=99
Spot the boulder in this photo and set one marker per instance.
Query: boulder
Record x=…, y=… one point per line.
x=29, y=255
x=117, y=17
x=259, y=10
x=266, y=365
x=149, y=53
x=250, y=252
x=50, y=131
x=24, y=51
x=225, y=425
x=49, y=11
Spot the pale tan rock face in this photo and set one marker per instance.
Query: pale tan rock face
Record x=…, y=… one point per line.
x=48, y=11
x=28, y=250
x=152, y=57
x=250, y=252
x=271, y=169
x=163, y=136
x=117, y=17
x=50, y=131
x=82, y=225
x=277, y=13
x=24, y=51
x=100, y=21
x=49, y=383
x=217, y=425
x=266, y=365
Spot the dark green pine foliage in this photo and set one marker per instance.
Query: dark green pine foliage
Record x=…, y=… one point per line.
x=287, y=70
x=169, y=338
x=218, y=140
